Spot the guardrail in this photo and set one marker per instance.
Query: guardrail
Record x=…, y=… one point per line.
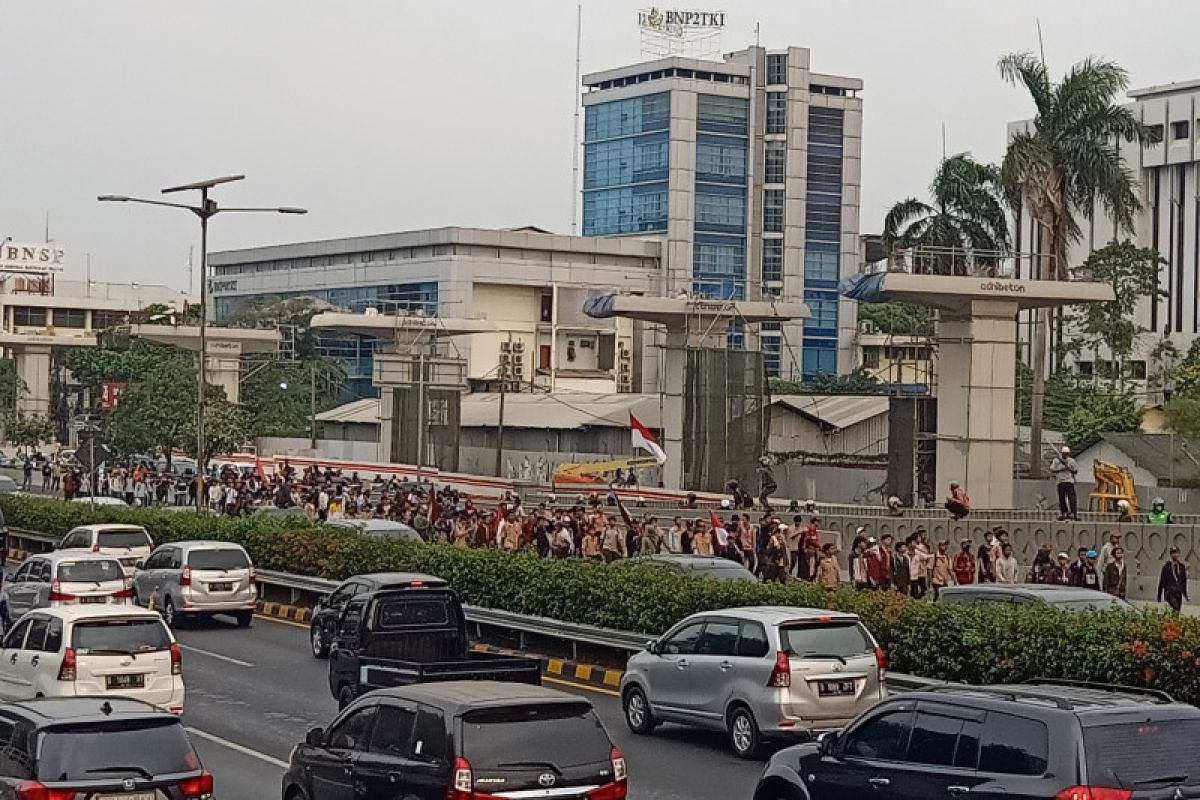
x=305, y=590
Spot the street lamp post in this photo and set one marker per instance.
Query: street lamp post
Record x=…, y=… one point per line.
x=207, y=209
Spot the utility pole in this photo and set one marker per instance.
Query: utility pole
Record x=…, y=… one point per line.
x=312, y=407
x=503, y=372
x=420, y=413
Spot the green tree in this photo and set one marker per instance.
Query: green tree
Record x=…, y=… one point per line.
x=226, y=426
x=1183, y=416
x=277, y=397
x=1065, y=165
x=11, y=385
x=157, y=412
x=28, y=430
x=1132, y=272
x=899, y=319
x=93, y=366
x=1095, y=413
x=858, y=381
x=966, y=221
x=295, y=313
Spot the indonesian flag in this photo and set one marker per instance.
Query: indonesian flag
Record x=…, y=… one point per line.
x=644, y=440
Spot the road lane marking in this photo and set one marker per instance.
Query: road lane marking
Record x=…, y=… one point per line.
x=282, y=621
x=275, y=762
x=211, y=654
x=575, y=685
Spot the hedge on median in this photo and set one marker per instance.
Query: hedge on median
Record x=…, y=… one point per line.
x=983, y=644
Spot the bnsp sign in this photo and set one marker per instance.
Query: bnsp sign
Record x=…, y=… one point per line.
x=20, y=257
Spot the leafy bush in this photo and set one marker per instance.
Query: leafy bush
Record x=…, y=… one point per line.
x=983, y=644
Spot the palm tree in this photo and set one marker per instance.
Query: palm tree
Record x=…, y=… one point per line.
x=965, y=226
x=1067, y=164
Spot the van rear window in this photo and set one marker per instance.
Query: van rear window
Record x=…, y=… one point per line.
x=120, y=636
x=112, y=751
x=404, y=612
x=91, y=571
x=560, y=736
x=220, y=559
x=124, y=537
x=1153, y=754
x=840, y=639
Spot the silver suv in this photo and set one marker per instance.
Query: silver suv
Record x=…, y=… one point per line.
x=189, y=579
x=758, y=673
x=63, y=578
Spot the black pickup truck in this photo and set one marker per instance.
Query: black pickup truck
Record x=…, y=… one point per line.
x=410, y=628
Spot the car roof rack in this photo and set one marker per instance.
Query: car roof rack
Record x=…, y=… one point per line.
x=1157, y=695
x=1008, y=693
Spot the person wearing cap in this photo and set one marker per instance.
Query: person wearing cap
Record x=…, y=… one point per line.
x=1172, y=582
x=1091, y=579
x=879, y=567
x=1064, y=469
x=964, y=564
x=1158, y=513
x=1059, y=573
x=895, y=507
x=1123, y=514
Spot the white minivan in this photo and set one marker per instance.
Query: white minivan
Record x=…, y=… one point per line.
x=129, y=544
x=92, y=650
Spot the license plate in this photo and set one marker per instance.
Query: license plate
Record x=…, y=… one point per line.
x=92, y=599
x=834, y=688
x=128, y=796
x=221, y=587
x=137, y=681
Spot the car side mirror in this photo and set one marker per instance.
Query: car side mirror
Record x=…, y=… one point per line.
x=652, y=647
x=315, y=737
x=827, y=743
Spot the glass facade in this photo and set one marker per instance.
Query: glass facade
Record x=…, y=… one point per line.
x=776, y=69
x=776, y=112
x=719, y=246
x=772, y=259
x=822, y=240
x=773, y=211
x=771, y=342
x=774, y=162
x=626, y=155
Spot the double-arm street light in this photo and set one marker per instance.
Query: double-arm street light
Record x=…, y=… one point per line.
x=207, y=209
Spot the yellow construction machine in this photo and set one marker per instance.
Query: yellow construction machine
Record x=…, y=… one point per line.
x=1113, y=483
x=591, y=473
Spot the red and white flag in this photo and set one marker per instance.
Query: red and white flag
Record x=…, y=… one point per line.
x=643, y=439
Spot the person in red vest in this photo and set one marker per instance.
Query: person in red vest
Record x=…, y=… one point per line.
x=879, y=565
x=964, y=564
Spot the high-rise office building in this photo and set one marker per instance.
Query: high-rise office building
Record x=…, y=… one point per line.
x=750, y=169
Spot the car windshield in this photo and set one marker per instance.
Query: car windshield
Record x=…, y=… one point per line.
x=93, y=570
x=223, y=559
x=405, y=611
x=147, y=748
x=835, y=639
x=559, y=736
x=1154, y=753
x=1102, y=602
x=120, y=636
x=722, y=572
x=123, y=537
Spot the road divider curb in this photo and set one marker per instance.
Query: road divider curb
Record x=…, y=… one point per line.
x=284, y=611
x=564, y=669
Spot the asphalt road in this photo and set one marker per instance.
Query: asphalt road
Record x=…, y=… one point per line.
x=253, y=693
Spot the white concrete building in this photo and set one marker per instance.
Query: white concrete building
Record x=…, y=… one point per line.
x=750, y=169
x=527, y=284
x=1169, y=176
x=41, y=313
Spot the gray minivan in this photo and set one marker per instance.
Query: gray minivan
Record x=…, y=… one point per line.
x=191, y=579
x=758, y=673
x=63, y=578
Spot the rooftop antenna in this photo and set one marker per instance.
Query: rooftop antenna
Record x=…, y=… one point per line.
x=1041, y=44
x=48, y=239
x=575, y=139
x=943, y=140
x=757, y=26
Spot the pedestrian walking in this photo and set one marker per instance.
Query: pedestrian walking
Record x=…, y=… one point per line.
x=26, y=474
x=1172, y=581
x=1064, y=469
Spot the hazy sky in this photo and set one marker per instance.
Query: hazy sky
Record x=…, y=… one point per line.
x=384, y=116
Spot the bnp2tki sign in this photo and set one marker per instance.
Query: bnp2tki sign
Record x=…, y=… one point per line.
x=666, y=21
x=26, y=258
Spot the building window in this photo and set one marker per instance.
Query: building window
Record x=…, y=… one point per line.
x=871, y=357
x=773, y=211
x=1084, y=368
x=818, y=361
x=625, y=210
x=29, y=317
x=723, y=212
x=777, y=69
x=622, y=161
x=820, y=266
x=721, y=159
x=722, y=114
x=1179, y=130
x=1134, y=370
x=627, y=117
x=1156, y=135
x=107, y=319
x=776, y=112
x=724, y=259
x=823, y=307
x=69, y=317
x=772, y=259
x=772, y=347
x=774, y=162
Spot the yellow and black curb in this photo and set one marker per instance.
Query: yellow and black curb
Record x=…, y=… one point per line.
x=556, y=668
x=566, y=670
x=284, y=611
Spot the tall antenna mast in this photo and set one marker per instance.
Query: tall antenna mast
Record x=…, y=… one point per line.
x=575, y=139
x=943, y=140
x=47, y=227
x=190, y=279
x=1041, y=44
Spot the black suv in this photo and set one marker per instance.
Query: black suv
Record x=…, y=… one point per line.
x=1055, y=740
x=96, y=747
x=459, y=740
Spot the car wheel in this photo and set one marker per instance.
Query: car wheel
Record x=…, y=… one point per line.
x=744, y=737
x=244, y=618
x=168, y=613
x=637, y=712
x=320, y=648
x=345, y=697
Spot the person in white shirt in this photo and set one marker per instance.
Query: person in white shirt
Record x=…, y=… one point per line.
x=1007, y=568
x=675, y=536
